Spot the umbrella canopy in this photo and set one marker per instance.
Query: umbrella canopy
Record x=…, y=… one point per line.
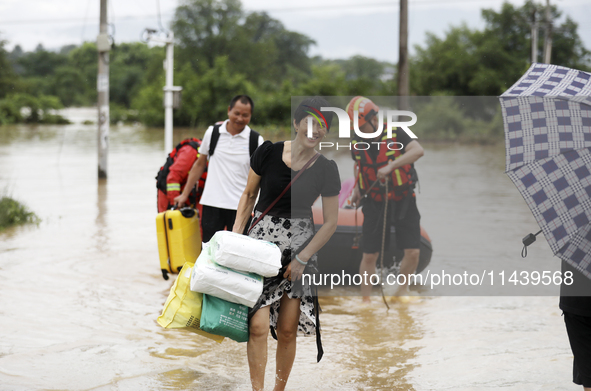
x=547, y=119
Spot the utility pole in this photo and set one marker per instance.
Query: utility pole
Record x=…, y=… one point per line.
x=403, y=81
x=534, y=38
x=169, y=90
x=548, y=35
x=103, y=46
x=172, y=94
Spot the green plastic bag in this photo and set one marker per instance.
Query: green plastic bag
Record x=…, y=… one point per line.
x=221, y=317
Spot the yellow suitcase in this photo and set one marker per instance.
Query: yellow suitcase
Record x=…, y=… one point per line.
x=179, y=239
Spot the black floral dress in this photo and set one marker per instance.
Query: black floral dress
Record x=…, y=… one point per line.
x=291, y=234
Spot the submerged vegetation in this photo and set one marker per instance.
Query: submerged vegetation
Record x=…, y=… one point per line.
x=13, y=212
x=25, y=108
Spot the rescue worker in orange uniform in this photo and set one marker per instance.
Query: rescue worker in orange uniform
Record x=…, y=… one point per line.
x=380, y=158
x=173, y=175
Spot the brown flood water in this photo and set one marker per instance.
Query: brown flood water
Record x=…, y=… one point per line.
x=80, y=293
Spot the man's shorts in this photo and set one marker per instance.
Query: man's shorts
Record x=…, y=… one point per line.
x=579, y=335
x=216, y=219
x=408, y=229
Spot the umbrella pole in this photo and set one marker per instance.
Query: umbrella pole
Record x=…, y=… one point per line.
x=383, y=243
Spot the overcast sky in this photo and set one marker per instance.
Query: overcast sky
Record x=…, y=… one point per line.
x=341, y=28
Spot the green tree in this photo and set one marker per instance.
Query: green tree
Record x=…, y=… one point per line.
x=128, y=65
x=326, y=80
x=13, y=56
x=256, y=45
x=512, y=27
x=40, y=63
x=364, y=75
x=69, y=85
x=205, y=29
x=69, y=74
x=149, y=96
x=266, y=40
x=7, y=75
x=472, y=62
x=360, y=67
x=445, y=66
x=210, y=93
x=84, y=58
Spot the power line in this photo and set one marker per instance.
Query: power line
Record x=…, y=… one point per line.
x=85, y=20
x=111, y=23
x=74, y=20
x=111, y=12
x=159, y=16
x=390, y=4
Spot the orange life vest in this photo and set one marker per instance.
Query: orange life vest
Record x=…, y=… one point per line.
x=164, y=187
x=402, y=180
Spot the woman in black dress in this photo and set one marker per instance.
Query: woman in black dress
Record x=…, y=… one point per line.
x=289, y=304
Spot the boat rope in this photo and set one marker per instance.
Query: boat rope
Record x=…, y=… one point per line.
x=383, y=243
x=355, y=245
x=356, y=182
x=370, y=187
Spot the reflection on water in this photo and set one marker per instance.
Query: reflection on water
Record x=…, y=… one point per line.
x=101, y=216
x=380, y=337
x=79, y=294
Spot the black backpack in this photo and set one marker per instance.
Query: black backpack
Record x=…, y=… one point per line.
x=215, y=135
x=165, y=169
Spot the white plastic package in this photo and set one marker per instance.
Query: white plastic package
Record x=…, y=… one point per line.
x=219, y=281
x=240, y=252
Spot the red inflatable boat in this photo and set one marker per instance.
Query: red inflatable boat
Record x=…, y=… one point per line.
x=342, y=253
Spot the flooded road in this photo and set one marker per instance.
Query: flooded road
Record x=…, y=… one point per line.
x=80, y=292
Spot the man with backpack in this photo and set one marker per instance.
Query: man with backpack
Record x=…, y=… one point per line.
x=386, y=179
x=225, y=151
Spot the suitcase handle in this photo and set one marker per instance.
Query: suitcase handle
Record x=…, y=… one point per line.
x=186, y=211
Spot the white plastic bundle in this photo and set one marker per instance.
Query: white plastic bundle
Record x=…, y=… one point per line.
x=243, y=253
x=219, y=281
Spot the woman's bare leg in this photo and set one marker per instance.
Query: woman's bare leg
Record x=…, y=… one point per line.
x=287, y=328
x=256, y=348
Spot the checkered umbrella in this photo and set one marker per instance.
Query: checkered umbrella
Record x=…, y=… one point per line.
x=547, y=118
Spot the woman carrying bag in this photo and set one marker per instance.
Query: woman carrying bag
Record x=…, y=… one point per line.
x=290, y=176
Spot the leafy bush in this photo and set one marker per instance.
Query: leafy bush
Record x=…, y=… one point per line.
x=10, y=112
x=21, y=107
x=13, y=212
